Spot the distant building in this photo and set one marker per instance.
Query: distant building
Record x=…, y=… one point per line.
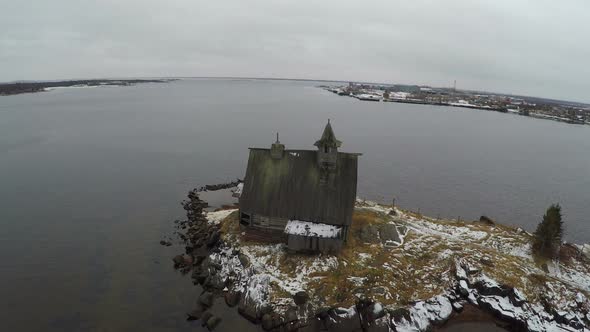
x=302, y=197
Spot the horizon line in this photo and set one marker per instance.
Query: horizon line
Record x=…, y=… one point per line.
x=293, y=79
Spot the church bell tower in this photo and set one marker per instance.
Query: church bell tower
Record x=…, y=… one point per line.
x=328, y=149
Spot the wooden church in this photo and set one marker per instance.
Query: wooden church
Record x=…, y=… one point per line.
x=302, y=197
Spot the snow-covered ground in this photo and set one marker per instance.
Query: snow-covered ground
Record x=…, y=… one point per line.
x=438, y=265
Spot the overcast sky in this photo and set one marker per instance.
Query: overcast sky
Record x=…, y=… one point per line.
x=533, y=47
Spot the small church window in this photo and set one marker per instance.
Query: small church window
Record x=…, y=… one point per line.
x=245, y=219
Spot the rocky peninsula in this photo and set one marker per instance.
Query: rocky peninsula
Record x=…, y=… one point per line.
x=399, y=271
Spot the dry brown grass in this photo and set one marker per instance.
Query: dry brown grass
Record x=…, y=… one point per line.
x=227, y=207
x=422, y=267
x=230, y=225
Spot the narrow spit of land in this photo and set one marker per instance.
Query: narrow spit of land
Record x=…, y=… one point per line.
x=32, y=87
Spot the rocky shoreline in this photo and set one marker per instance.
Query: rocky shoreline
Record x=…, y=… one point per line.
x=246, y=276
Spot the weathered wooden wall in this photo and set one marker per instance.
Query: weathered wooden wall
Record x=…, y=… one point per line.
x=300, y=243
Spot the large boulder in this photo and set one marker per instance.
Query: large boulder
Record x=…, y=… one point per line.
x=388, y=234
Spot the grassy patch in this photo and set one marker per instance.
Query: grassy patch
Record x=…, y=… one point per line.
x=418, y=269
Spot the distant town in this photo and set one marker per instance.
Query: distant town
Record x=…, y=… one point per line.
x=563, y=111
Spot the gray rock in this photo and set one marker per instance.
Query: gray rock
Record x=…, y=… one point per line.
x=201, y=277
x=463, y=288
x=215, y=281
x=486, y=288
x=380, y=290
x=339, y=311
x=178, y=260
x=388, y=233
x=244, y=260
x=369, y=234
x=402, y=229
x=205, y=317
x=213, y=322
x=206, y=299
x=517, y=298
x=340, y=321
x=271, y=321
x=300, y=298
x=213, y=239
x=401, y=313
x=291, y=315
x=486, y=221
x=187, y=260
x=248, y=310
x=267, y=323
x=196, y=313
x=375, y=311
x=487, y=261
x=232, y=298
x=506, y=314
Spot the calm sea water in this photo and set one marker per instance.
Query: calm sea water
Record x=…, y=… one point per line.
x=90, y=180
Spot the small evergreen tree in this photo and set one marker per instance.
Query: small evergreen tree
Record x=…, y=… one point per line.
x=547, y=237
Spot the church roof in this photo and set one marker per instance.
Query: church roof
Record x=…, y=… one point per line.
x=290, y=187
x=328, y=138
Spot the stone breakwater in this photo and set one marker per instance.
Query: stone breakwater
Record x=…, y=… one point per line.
x=255, y=278
x=214, y=187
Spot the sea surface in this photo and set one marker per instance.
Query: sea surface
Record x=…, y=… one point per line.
x=91, y=180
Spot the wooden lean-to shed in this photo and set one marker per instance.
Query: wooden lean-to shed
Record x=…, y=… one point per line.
x=303, y=197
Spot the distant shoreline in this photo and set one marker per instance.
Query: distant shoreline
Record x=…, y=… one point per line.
x=565, y=113
x=8, y=89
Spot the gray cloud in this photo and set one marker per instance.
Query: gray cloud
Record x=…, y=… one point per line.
x=534, y=47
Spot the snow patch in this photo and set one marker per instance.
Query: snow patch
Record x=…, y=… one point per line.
x=306, y=228
x=216, y=217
